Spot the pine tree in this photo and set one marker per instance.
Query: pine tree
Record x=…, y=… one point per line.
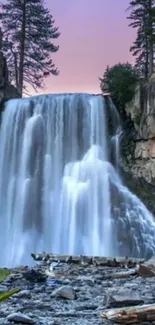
x=143, y=19
x=28, y=34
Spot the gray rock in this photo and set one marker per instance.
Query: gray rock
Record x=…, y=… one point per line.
x=3, y=288
x=25, y=294
x=20, y=318
x=123, y=298
x=86, y=307
x=66, y=292
x=34, y=276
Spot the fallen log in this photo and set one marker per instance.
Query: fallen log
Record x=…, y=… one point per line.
x=130, y=315
x=89, y=260
x=147, y=269
x=126, y=274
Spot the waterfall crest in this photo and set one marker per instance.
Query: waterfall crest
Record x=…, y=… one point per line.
x=59, y=192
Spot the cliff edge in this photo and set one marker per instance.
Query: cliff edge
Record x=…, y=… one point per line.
x=138, y=144
x=7, y=91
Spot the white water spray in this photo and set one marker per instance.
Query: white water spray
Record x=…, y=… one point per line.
x=58, y=192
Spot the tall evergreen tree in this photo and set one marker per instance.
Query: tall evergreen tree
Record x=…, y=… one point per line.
x=143, y=19
x=28, y=34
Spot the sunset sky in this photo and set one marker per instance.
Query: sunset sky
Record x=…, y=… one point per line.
x=94, y=33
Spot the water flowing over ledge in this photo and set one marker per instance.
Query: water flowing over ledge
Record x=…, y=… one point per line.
x=59, y=191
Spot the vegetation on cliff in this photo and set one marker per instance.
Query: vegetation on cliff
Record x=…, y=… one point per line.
x=28, y=33
x=120, y=81
x=4, y=273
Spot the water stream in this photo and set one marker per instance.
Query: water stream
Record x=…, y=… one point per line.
x=59, y=192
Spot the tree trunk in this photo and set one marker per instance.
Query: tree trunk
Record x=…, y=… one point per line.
x=130, y=315
x=16, y=70
x=146, y=67
x=150, y=42
x=22, y=50
x=146, y=64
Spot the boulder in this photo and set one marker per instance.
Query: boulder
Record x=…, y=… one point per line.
x=123, y=298
x=20, y=318
x=66, y=292
x=34, y=276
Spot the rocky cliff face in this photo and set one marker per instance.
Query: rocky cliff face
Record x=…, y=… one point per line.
x=7, y=91
x=138, y=148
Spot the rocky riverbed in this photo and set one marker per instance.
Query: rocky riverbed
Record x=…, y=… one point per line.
x=68, y=292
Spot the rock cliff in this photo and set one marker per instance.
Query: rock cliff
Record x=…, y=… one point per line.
x=7, y=91
x=138, y=144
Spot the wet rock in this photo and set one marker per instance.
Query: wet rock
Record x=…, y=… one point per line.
x=25, y=294
x=34, y=276
x=66, y=292
x=39, y=289
x=20, y=318
x=3, y=288
x=123, y=298
x=86, y=307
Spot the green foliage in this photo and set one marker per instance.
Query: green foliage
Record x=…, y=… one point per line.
x=28, y=35
x=3, y=274
x=5, y=295
x=8, y=294
x=120, y=81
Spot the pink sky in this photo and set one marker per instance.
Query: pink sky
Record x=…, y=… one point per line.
x=94, y=33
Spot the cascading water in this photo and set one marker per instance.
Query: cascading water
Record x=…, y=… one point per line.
x=58, y=191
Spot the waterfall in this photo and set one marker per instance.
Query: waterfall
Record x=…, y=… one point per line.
x=59, y=192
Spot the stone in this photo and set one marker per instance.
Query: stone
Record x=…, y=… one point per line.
x=66, y=292
x=134, y=107
x=123, y=298
x=145, y=149
x=34, y=276
x=20, y=318
x=25, y=294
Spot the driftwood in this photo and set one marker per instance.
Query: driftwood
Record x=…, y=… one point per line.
x=147, y=269
x=130, y=315
x=126, y=274
x=89, y=260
